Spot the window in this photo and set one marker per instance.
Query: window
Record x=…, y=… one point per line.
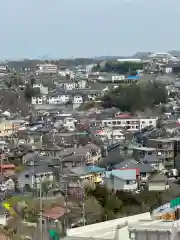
x=149, y=153
x=27, y=176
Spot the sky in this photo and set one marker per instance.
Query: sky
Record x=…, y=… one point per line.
x=87, y=28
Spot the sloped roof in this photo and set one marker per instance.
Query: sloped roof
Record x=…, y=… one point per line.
x=126, y=174
x=158, y=178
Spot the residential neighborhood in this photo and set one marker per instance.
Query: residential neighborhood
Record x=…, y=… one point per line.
x=86, y=144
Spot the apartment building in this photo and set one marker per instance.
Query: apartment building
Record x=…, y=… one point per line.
x=46, y=68
x=131, y=123
x=57, y=99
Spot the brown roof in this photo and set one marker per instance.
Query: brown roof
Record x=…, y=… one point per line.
x=55, y=212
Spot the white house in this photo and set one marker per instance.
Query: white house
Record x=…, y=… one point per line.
x=77, y=99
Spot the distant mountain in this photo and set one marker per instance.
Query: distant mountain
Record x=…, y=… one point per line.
x=141, y=55
x=104, y=58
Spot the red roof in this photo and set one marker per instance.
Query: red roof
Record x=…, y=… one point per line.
x=55, y=212
x=124, y=115
x=7, y=166
x=137, y=170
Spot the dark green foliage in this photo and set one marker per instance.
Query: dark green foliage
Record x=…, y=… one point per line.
x=120, y=203
x=135, y=97
x=31, y=92
x=129, y=68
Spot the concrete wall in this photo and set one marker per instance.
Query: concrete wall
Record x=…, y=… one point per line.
x=107, y=230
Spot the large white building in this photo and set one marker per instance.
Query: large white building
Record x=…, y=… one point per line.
x=137, y=60
x=131, y=124
x=46, y=68
x=165, y=57
x=137, y=227
x=57, y=99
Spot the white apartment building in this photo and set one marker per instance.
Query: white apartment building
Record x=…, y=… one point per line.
x=46, y=68
x=57, y=99
x=131, y=124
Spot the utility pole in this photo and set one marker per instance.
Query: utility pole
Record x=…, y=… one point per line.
x=66, y=206
x=41, y=211
x=83, y=206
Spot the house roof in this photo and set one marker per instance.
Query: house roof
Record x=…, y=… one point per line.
x=126, y=174
x=55, y=213
x=142, y=168
x=158, y=178
x=125, y=163
x=137, y=170
x=95, y=169
x=85, y=170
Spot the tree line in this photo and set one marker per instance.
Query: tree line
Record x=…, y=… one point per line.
x=133, y=97
x=103, y=204
x=129, y=68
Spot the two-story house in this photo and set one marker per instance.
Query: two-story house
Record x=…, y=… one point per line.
x=143, y=171
x=165, y=150
x=147, y=155
x=74, y=157
x=83, y=175
x=32, y=176
x=158, y=182
x=123, y=179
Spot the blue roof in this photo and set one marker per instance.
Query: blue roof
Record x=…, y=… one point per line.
x=133, y=77
x=126, y=174
x=95, y=169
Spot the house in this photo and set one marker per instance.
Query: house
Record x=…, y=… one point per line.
x=7, y=127
x=165, y=150
x=82, y=175
x=84, y=154
x=95, y=150
x=123, y=179
x=32, y=176
x=144, y=171
x=54, y=214
x=147, y=155
x=158, y=182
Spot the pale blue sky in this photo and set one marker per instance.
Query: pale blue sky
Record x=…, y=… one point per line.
x=81, y=28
